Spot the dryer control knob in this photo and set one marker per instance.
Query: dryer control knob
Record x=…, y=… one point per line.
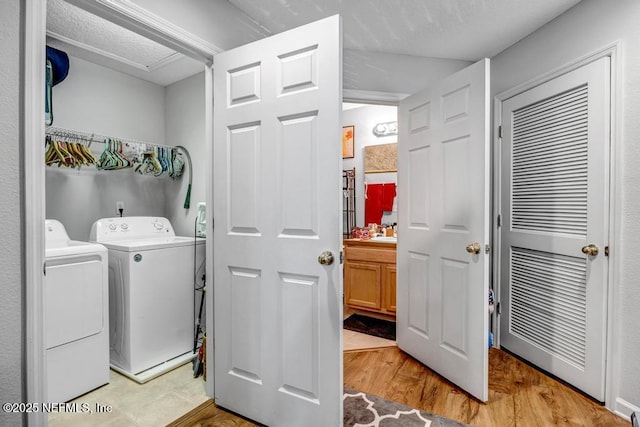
x=112, y=227
x=124, y=226
x=158, y=225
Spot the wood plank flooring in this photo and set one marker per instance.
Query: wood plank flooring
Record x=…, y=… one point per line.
x=519, y=395
x=208, y=415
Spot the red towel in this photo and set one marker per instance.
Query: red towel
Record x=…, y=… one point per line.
x=388, y=194
x=373, y=204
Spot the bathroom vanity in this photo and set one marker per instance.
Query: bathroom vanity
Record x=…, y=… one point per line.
x=370, y=275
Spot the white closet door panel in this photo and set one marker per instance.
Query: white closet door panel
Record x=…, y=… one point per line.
x=554, y=195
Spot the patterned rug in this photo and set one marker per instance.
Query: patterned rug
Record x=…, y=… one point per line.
x=371, y=326
x=367, y=410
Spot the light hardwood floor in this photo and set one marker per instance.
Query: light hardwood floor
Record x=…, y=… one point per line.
x=519, y=395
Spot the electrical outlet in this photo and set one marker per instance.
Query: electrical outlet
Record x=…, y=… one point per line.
x=119, y=207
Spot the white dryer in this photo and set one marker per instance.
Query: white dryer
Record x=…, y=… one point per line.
x=151, y=290
x=76, y=314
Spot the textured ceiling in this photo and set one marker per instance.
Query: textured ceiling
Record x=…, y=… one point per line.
x=76, y=24
x=453, y=29
x=87, y=36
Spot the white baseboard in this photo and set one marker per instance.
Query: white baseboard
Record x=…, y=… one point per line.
x=624, y=408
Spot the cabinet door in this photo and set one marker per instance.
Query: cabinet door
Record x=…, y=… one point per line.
x=389, y=287
x=362, y=284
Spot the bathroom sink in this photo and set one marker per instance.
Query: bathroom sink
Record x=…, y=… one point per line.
x=385, y=239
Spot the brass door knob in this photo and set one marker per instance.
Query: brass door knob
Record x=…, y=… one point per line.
x=473, y=248
x=325, y=258
x=590, y=250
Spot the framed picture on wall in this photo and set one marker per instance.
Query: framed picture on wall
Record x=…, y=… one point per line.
x=381, y=158
x=348, y=136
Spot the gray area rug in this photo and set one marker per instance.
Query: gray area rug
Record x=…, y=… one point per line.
x=367, y=410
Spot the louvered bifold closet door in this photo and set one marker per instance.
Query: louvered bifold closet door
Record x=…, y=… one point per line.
x=554, y=170
x=550, y=165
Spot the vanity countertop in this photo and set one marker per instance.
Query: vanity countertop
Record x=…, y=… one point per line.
x=375, y=241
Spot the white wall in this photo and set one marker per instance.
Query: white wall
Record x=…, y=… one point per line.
x=364, y=119
x=11, y=227
x=587, y=27
x=185, y=125
x=99, y=100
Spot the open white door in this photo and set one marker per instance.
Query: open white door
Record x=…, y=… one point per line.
x=443, y=207
x=277, y=203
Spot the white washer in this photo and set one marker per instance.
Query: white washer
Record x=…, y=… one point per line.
x=76, y=314
x=151, y=289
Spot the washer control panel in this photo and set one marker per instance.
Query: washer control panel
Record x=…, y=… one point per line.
x=133, y=227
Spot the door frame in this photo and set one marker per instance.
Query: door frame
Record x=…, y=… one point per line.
x=372, y=97
x=613, y=51
x=143, y=22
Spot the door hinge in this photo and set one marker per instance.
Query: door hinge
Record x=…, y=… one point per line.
x=500, y=131
x=341, y=257
x=498, y=309
x=487, y=249
x=499, y=221
x=606, y=250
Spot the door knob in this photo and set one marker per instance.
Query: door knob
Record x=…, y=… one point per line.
x=473, y=248
x=590, y=250
x=325, y=258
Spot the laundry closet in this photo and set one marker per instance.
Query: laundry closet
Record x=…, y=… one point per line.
x=129, y=97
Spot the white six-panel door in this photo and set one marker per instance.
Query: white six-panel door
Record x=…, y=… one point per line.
x=443, y=207
x=554, y=155
x=277, y=203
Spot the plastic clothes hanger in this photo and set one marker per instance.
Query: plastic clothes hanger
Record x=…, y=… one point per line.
x=124, y=161
x=58, y=154
x=107, y=159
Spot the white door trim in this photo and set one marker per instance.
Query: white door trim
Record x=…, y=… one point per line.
x=131, y=16
x=613, y=51
x=372, y=97
x=34, y=361
x=139, y=20
x=208, y=123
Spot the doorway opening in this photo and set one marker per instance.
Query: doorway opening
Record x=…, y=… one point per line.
x=120, y=88
x=369, y=245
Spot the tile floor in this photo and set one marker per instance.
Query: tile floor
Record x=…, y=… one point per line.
x=352, y=340
x=154, y=403
x=163, y=399
x=357, y=341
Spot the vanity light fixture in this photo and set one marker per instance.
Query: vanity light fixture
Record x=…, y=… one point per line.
x=385, y=129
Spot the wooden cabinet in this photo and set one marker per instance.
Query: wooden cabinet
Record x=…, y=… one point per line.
x=370, y=275
x=389, y=286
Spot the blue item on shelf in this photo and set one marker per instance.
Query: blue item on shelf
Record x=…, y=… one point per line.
x=59, y=64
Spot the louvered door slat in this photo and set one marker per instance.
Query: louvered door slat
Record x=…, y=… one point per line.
x=549, y=310
x=552, y=168
x=551, y=102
